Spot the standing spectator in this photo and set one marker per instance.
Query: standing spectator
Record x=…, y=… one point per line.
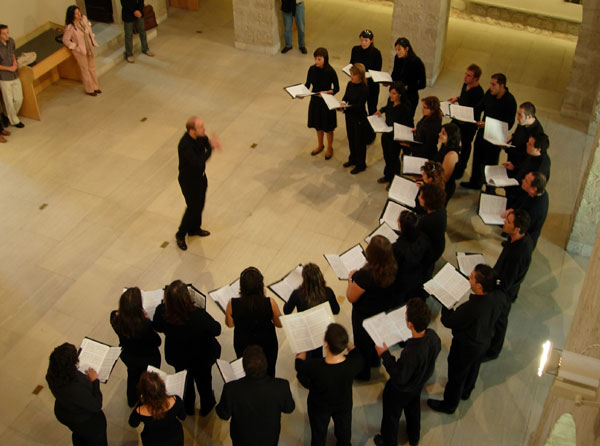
x=293, y=10
x=370, y=57
x=409, y=69
x=10, y=85
x=357, y=126
x=132, y=14
x=79, y=38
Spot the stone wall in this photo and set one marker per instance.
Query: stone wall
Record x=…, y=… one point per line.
x=256, y=25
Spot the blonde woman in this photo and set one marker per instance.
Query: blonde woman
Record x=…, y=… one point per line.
x=357, y=126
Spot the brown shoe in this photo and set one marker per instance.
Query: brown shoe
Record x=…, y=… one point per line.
x=3, y=139
x=5, y=132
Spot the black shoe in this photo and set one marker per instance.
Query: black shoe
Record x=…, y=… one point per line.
x=439, y=406
x=286, y=49
x=378, y=440
x=383, y=180
x=348, y=164
x=303, y=50
x=465, y=396
x=488, y=358
x=469, y=185
x=20, y=125
x=199, y=233
x=181, y=243
x=357, y=170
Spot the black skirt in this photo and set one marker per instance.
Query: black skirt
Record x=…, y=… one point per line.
x=319, y=116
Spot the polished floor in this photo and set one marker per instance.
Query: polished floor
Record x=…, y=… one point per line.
x=89, y=195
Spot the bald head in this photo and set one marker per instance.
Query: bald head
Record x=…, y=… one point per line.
x=195, y=127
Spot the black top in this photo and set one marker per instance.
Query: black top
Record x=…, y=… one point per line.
x=330, y=385
x=140, y=350
x=441, y=154
x=413, y=258
x=536, y=207
x=255, y=407
x=77, y=401
x=434, y=227
x=400, y=113
x=192, y=343
x=193, y=154
x=253, y=326
x=519, y=139
x=375, y=298
x=370, y=58
x=473, y=322
x=503, y=109
x=298, y=300
x=410, y=71
x=469, y=98
x=322, y=79
x=165, y=431
x=416, y=363
x=533, y=164
x=356, y=95
x=129, y=7
x=512, y=265
x=428, y=130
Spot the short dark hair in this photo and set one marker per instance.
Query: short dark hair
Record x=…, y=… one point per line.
x=367, y=34
x=3, y=27
x=528, y=108
x=409, y=223
x=418, y=314
x=542, y=142
x=500, y=78
x=336, y=337
x=486, y=277
x=475, y=69
x=539, y=182
x=433, y=196
x=254, y=362
x=322, y=52
x=521, y=220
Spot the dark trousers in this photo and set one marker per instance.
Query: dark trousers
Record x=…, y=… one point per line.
x=134, y=371
x=499, y=334
x=394, y=402
x=365, y=346
x=413, y=99
x=484, y=154
x=195, y=196
x=91, y=432
x=319, y=422
x=467, y=133
x=464, y=361
x=373, y=97
x=202, y=376
x=356, y=129
x=391, y=155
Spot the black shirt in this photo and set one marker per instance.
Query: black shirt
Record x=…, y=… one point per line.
x=536, y=207
x=141, y=349
x=255, y=407
x=533, y=164
x=370, y=58
x=427, y=132
x=503, y=109
x=413, y=258
x=298, y=300
x=163, y=431
x=469, y=98
x=434, y=227
x=375, y=298
x=330, y=385
x=512, y=265
x=519, y=139
x=356, y=95
x=322, y=79
x=416, y=363
x=129, y=7
x=400, y=113
x=410, y=71
x=77, y=401
x=193, y=154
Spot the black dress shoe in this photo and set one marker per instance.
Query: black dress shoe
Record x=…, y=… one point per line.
x=357, y=170
x=383, y=180
x=97, y=91
x=378, y=440
x=286, y=49
x=348, y=164
x=181, y=243
x=469, y=185
x=303, y=50
x=199, y=233
x=439, y=406
x=20, y=125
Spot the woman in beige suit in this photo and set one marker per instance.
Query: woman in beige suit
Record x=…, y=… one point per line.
x=78, y=37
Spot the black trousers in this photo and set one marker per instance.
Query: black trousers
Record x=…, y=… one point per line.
x=467, y=133
x=391, y=155
x=319, y=422
x=394, y=402
x=499, y=334
x=484, y=154
x=195, y=196
x=373, y=98
x=464, y=361
x=413, y=99
x=202, y=376
x=134, y=372
x=91, y=432
x=365, y=346
x=356, y=130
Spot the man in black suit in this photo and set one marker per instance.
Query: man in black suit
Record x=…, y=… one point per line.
x=255, y=403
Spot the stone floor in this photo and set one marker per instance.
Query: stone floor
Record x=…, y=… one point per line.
x=89, y=194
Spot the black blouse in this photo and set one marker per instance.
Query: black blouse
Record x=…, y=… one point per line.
x=410, y=71
x=322, y=79
x=356, y=96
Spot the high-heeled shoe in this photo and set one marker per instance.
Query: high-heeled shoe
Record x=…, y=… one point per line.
x=317, y=151
x=329, y=154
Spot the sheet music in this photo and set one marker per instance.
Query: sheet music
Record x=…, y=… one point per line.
x=352, y=259
x=463, y=113
x=298, y=91
x=98, y=356
x=151, y=300
x=305, y=330
x=223, y=295
x=412, y=164
x=490, y=208
x=197, y=296
x=496, y=132
x=381, y=76
x=448, y=286
x=391, y=213
x=445, y=107
x=403, y=191
x=288, y=284
x=174, y=384
x=468, y=262
x=378, y=124
x=388, y=328
x=331, y=101
x=231, y=371
x=385, y=230
x=403, y=133
x=346, y=70
x=498, y=176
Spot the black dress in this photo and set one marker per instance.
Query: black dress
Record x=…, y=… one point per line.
x=450, y=186
x=434, y=226
x=411, y=72
x=255, y=326
x=192, y=347
x=371, y=59
x=427, y=133
x=319, y=116
x=137, y=354
x=357, y=126
x=401, y=114
x=165, y=431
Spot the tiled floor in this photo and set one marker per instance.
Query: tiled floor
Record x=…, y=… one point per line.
x=109, y=180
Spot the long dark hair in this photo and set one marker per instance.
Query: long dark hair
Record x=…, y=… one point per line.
x=178, y=303
x=453, y=133
x=153, y=394
x=62, y=367
x=252, y=287
x=131, y=317
x=313, y=285
x=405, y=43
x=400, y=89
x=409, y=225
x=381, y=261
x=70, y=18
x=322, y=52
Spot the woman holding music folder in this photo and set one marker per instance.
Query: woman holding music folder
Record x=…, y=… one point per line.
x=78, y=402
x=159, y=412
x=323, y=79
x=449, y=155
x=190, y=344
x=312, y=292
x=370, y=291
x=357, y=126
x=410, y=70
x=398, y=111
x=254, y=317
x=137, y=338
x=428, y=129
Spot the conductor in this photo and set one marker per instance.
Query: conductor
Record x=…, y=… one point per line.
x=194, y=150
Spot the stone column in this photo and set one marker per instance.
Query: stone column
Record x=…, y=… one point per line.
x=424, y=23
x=256, y=25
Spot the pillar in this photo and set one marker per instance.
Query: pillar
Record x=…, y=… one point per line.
x=424, y=23
x=256, y=25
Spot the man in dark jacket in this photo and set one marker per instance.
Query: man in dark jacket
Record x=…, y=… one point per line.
x=132, y=14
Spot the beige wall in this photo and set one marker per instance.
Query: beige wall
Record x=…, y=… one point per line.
x=552, y=8
x=24, y=16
